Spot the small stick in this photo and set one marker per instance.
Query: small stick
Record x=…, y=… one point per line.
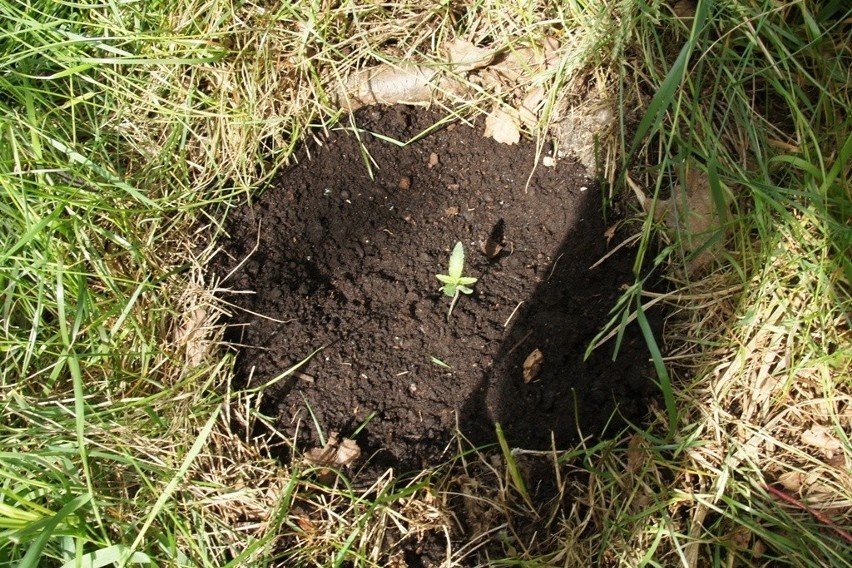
x=518, y=344
x=513, y=313
x=818, y=515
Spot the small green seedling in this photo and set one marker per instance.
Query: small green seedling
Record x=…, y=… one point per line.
x=454, y=282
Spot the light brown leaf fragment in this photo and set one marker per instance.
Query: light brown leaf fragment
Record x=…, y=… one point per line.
x=334, y=453
x=464, y=56
x=390, y=85
x=792, y=481
x=819, y=436
x=347, y=453
x=433, y=160
x=740, y=538
x=636, y=453
x=527, y=61
x=191, y=334
x=691, y=212
x=323, y=456
x=502, y=127
x=491, y=248
x=305, y=524
x=528, y=111
x=532, y=365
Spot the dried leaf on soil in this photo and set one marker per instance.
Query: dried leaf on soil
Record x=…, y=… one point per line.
x=496, y=240
x=740, y=538
x=532, y=365
x=503, y=127
x=334, y=453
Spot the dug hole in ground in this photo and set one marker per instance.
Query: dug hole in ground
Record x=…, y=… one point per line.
x=340, y=254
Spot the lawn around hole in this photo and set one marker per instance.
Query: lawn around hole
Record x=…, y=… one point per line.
x=143, y=151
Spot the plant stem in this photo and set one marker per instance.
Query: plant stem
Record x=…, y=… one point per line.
x=452, y=304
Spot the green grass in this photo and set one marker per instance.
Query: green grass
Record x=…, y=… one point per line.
x=127, y=131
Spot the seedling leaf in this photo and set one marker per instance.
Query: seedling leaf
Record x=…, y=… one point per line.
x=454, y=283
x=457, y=261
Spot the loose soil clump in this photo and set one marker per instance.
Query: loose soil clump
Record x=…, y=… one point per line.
x=341, y=253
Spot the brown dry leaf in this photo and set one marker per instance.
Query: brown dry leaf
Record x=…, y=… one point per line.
x=532, y=365
x=514, y=64
x=334, y=453
x=451, y=211
x=684, y=8
x=792, y=481
x=641, y=501
x=529, y=109
x=493, y=245
x=636, y=453
x=740, y=538
x=464, y=56
x=323, y=456
x=389, y=85
x=690, y=211
x=819, y=436
x=347, y=453
x=491, y=248
x=551, y=52
x=502, y=127
x=305, y=524
x=528, y=61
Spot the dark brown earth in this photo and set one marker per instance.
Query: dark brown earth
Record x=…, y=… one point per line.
x=341, y=261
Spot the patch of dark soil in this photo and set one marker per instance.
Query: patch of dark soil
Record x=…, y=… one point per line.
x=347, y=262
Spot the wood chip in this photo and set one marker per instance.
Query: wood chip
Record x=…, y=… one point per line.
x=495, y=242
x=491, y=248
x=532, y=365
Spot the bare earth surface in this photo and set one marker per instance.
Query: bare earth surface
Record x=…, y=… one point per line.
x=347, y=262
